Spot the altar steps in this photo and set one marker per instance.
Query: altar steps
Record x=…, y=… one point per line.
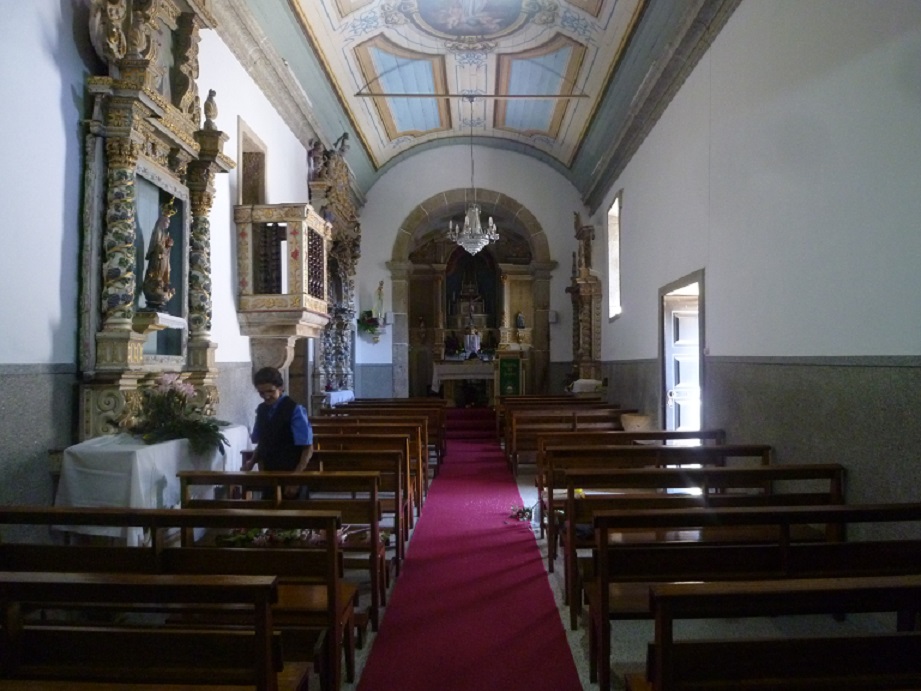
x=470, y=423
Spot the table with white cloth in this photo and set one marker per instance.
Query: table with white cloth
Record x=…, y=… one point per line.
x=450, y=372
x=120, y=470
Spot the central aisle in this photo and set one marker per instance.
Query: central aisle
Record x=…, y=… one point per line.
x=472, y=608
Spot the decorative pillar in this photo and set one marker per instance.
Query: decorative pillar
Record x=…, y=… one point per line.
x=200, y=180
x=399, y=291
x=117, y=346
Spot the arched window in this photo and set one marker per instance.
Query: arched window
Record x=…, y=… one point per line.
x=613, y=264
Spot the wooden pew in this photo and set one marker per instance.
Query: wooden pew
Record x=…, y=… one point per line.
x=847, y=660
x=560, y=459
x=313, y=598
x=79, y=651
x=353, y=495
x=615, y=438
x=625, y=569
x=570, y=403
x=434, y=413
x=504, y=402
x=378, y=442
x=588, y=491
x=415, y=428
x=524, y=425
x=393, y=483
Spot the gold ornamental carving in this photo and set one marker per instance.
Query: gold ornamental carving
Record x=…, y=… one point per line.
x=146, y=120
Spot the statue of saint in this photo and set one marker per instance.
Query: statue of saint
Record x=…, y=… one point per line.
x=210, y=111
x=157, y=288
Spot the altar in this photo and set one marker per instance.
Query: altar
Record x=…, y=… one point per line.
x=465, y=370
x=121, y=471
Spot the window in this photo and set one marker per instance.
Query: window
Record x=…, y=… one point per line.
x=614, y=306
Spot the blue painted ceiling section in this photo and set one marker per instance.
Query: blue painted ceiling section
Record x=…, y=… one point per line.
x=617, y=47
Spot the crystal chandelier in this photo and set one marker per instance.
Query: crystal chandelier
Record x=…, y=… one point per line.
x=472, y=237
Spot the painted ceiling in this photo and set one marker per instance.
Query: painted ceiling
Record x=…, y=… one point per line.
x=562, y=81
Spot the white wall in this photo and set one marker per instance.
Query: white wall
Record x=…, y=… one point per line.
x=42, y=179
x=545, y=193
x=286, y=178
x=789, y=168
x=41, y=88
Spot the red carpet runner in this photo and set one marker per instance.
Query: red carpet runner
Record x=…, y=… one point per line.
x=472, y=608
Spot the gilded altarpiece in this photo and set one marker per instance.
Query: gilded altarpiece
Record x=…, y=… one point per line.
x=149, y=168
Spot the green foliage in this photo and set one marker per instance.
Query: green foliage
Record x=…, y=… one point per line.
x=368, y=323
x=167, y=412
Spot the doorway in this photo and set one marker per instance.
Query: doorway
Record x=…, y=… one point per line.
x=682, y=340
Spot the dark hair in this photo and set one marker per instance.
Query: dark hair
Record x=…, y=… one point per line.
x=269, y=375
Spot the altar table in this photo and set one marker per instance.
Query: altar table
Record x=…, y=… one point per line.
x=468, y=369
x=122, y=471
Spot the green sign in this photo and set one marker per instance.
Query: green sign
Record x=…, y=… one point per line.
x=509, y=376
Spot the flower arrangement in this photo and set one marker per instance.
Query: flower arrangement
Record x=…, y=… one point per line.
x=522, y=513
x=368, y=323
x=168, y=412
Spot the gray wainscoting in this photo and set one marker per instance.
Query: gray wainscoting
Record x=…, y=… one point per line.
x=374, y=381
x=864, y=413
x=238, y=396
x=37, y=414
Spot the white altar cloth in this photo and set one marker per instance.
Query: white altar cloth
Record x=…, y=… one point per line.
x=122, y=471
x=335, y=398
x=470, y=369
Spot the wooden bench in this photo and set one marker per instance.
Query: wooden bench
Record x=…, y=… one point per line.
x=379, y=442
x=616, y=438
x=391, y=465
x=521, y=422
x=624, y=570
x=588, y=491
x=504, y=402
x=354, y=495
x=415, y=428
x=313, y=598
x=433, y=412
x=65, y=645
x=560, y=459
x=846, y=660
x=525, y=425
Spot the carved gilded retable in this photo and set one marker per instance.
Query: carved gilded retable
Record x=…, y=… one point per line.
x=145, y=124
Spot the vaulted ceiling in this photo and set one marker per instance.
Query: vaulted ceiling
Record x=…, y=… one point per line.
x=575, y=84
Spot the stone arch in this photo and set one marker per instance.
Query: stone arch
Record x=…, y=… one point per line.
x=426, y=215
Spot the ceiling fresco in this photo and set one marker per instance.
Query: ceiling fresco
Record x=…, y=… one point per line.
x=574, y=84
x=413, y=72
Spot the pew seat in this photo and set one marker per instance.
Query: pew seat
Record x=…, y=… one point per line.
x=47, y=634
x=847, y=659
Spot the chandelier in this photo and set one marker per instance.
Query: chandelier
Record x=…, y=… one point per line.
x=472, y=236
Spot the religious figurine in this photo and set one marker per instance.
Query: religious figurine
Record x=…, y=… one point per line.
x=210, y=111
x=519, y=320
x=585, y=235
x=316, y=159
x=157, y=288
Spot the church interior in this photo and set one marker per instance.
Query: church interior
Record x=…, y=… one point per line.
x=703, y=211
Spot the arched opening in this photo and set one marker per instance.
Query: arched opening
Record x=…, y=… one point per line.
x=510, y=275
